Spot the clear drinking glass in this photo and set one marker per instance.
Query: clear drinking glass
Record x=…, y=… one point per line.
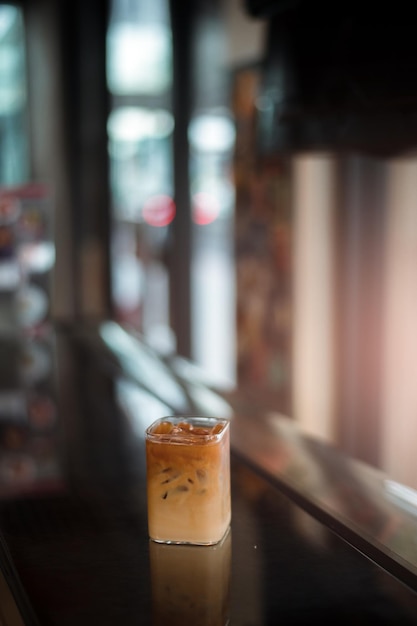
x=188, y=480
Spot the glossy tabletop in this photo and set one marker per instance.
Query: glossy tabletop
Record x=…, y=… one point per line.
x=74, y=544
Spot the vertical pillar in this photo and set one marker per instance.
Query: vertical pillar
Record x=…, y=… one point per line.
x=181, y=257
x=313, y=349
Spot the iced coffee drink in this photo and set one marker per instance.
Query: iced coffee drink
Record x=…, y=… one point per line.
x=188, y=480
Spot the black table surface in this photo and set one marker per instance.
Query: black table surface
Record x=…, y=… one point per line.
x=74, y=547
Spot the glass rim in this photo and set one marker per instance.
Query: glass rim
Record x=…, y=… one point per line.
x=199, y=420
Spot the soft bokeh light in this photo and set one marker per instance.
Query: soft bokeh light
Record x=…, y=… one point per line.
x=139, y=58
x=205, y=208
x=159, y=210
x=132, y=124
x=212, y=133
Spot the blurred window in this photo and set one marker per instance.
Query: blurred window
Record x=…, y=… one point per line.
x=140, y=131
x=212, y=140
x=14, y=158
x=140, y=128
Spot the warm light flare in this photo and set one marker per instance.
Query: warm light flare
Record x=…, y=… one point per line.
x=313, y=367
x=399, y=401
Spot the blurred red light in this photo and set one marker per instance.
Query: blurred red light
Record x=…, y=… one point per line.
x=159, y=210
x=205, y=209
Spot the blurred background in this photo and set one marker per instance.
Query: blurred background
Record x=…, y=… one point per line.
x=235, y=183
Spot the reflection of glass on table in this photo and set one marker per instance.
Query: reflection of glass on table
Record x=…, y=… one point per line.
x=191, y=584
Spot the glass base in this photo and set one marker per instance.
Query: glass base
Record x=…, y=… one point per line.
x=173, y=542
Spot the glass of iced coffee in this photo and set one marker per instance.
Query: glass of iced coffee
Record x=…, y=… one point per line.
x=188, y=480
